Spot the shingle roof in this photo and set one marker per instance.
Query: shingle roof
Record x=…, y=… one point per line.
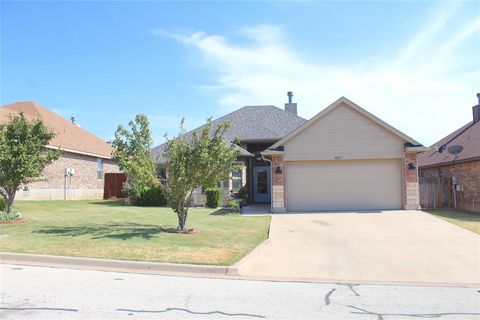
x=252, y=123
x=68, y=135
x=469, y=140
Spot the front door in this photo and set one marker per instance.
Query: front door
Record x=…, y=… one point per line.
x=261, y=184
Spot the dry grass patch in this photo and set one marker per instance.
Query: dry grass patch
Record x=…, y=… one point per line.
x=467, y=220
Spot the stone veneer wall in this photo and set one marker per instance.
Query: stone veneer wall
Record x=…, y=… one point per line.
x=279, y=199
x=468, y=178
x=411, y=196
x=84, y=184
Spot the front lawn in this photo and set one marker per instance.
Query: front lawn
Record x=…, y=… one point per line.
x=107, y=229
x=467, y=220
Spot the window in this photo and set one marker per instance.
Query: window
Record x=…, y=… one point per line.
x=99, y=169
x=262, y=183
x=237, y=181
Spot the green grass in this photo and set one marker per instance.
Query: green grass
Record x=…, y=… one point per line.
x=467, y=220
x=107, y=229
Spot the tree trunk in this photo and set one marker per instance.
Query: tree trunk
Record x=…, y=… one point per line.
x=183, y=213
x=10, y=199
x=182, y=222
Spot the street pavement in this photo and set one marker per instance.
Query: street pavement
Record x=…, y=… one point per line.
x=53, y=293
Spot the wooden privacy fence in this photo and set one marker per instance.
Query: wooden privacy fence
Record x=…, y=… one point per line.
x=437, y=192
x=114, y=185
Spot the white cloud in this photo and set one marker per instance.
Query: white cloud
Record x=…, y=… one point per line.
x=422, y=92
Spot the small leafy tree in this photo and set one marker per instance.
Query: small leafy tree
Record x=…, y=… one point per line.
x=203, y=159
x=132, y=154
x=23, y=155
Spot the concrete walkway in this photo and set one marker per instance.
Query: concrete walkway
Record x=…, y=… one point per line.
x=383, y=247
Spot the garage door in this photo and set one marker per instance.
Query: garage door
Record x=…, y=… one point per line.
x=344, y=185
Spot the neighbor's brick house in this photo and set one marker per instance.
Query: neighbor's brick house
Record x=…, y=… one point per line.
x=79, y=172
x=450, y=172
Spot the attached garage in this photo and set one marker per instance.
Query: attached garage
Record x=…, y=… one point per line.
x=344, y=185
x=344, y=158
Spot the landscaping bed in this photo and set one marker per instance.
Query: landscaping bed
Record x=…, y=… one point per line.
x=108, y=229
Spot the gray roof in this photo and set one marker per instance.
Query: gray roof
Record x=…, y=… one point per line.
x=250, y=124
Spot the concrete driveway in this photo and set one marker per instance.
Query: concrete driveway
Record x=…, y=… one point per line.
x=383, y=247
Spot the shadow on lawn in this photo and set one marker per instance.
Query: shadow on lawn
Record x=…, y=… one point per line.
x=122, y=231
x=109, y=203
x=223, y=212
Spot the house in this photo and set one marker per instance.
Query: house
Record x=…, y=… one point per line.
x=450, y=172
x=344, y=158
x=79, y=172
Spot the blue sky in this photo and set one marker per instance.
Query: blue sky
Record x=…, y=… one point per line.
x=416, y=65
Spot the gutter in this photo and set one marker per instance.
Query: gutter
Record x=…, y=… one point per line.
x=417, y=149
x=79, y=152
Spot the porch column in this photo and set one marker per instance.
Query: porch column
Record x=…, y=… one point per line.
x=411, y=196
x=279, y=203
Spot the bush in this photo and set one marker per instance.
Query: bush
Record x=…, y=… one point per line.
x=234, y=206
x=5, y=217
x=3, y=204
x=152, y=197
x=214, y=197
x=146, y=196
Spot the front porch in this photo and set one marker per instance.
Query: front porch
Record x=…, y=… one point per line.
x=257, y=209
x=252, y=182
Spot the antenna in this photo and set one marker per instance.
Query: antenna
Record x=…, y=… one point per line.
x=455, y=150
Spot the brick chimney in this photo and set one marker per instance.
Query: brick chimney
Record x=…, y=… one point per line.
x=290, y=107
x=476, y=110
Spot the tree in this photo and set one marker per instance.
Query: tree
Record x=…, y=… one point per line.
x=132, y=154
x=202, y=159
x=23, y=155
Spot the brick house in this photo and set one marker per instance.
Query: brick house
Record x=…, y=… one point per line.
x=344, y=158
x=79, y=172
x=450, y=172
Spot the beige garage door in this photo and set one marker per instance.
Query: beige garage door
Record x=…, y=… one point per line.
x=344, y=185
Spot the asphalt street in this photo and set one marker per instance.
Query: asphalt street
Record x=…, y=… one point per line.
x=52, y=293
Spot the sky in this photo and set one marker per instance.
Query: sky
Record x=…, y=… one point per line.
x=415, y=65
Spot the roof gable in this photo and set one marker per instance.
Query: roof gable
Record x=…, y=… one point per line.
x=337, y=103
x=69, y=136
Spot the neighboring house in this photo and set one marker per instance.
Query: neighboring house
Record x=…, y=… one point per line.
x=79, y=172
x=450, y=172
x=344, y=158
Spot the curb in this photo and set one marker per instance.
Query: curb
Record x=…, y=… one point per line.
x=114, y=265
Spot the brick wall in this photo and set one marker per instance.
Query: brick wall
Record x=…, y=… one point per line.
x=278, y=185
x=84, y=184
x=411, y=196
x=468, y=180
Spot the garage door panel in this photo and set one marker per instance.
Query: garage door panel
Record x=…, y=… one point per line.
x=344, y=185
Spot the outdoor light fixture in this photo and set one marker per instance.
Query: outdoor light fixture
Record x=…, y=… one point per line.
x=411, y=166
x=278, y=169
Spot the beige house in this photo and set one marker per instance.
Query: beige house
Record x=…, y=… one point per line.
x=344, y=158
x=80, y=171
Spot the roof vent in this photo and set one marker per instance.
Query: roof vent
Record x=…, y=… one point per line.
x=476, y=110
x=291, y=107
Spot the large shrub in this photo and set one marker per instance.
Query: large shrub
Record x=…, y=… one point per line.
x=214, y=197
x=132, y=153
x=153, y=196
